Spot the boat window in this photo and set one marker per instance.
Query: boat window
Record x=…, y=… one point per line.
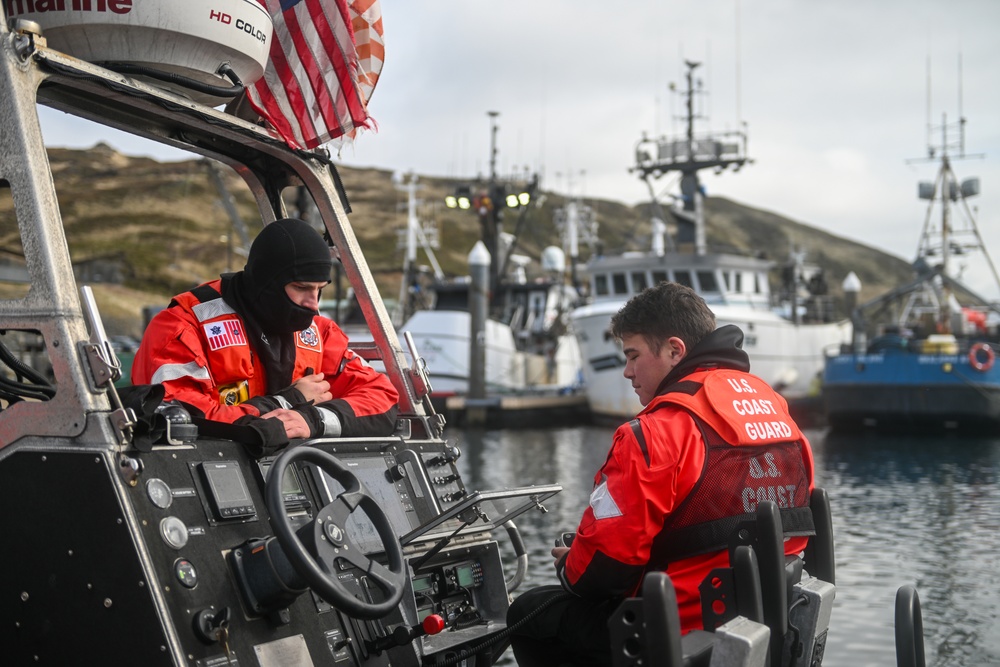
x=684, y=278
x=707, y=281
x=659, y=277
x=25, y=367
x=737, y=281
x=727, y=279
x=639, y=281
x=14, y=279
x=620, y=285
x=758, y=283
x=601, y=284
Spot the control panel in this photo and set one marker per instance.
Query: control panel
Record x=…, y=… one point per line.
x=234, y=590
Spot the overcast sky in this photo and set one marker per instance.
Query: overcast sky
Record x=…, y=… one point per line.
x=834, y=94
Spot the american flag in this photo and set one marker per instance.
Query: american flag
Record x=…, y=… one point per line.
x=224, y=334
x=326, y=56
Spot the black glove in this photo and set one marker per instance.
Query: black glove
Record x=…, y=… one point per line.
x=267, y=403
x=268, y=435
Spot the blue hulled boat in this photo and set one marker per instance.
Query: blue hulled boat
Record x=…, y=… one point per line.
x=923, y=355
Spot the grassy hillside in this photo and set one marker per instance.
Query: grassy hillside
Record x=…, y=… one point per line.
x=165, y=227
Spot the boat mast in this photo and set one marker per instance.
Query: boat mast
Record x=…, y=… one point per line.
x=415, y=232
x=947, y=189
x=689, y=155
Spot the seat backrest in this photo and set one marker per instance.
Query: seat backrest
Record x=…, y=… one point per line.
x=780, y=577
x=909, y=627
x=647, y=630
x=734, y=591
x=770, y=550
x=819, y=553
x=757, y=587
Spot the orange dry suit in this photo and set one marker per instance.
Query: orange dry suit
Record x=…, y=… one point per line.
x=198, y=349
x=697, y=459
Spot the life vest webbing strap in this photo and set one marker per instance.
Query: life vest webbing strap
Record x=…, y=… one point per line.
x=715, y=535
x=640, y=438
x=689, y=387
x=204, y=293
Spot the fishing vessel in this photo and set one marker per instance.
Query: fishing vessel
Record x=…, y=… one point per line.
x=518, y=351
x=923, y=354
x=785, y=332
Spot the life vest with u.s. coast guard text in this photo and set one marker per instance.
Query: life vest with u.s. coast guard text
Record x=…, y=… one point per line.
x=228, y=354
x=754, y=452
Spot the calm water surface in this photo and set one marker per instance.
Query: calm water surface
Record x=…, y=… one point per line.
x=914, y=511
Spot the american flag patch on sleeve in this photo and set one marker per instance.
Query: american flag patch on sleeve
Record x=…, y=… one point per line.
x=224, y=334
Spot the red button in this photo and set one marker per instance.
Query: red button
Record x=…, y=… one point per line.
x=433, y=624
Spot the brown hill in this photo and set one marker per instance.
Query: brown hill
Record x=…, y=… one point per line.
x=162, y=227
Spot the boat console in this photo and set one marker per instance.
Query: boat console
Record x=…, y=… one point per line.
x=335, y=552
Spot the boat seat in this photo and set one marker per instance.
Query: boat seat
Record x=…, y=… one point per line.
x=646, y=631
x=796, y=609
x=764, y=599
x=909, y=628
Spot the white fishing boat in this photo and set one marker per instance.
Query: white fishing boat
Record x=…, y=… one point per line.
x=785, y=333
x=527, y=348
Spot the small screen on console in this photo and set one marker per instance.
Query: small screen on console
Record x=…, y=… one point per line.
x=290, y=484
x=227, y=490
x=227, y=485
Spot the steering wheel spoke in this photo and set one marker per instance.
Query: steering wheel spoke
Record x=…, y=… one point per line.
x=383, y=576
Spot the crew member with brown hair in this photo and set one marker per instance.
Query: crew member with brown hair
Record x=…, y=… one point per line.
x=711, y=442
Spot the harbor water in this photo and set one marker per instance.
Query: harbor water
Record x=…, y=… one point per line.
x=906, y=510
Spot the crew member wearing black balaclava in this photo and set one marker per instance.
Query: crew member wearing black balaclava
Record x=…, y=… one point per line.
x=285, y=251
x=242, y=348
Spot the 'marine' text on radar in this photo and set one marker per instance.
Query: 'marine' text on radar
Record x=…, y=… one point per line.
x=16, y=7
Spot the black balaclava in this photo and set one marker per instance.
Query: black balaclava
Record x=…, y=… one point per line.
x=285, y=251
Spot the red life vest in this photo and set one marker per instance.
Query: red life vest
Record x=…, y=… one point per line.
x=754, y=452
x=229, y=354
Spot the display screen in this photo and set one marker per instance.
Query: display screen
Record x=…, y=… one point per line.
x=290, y=484
x=371, y=472
x=227, y=490
x=227, y=485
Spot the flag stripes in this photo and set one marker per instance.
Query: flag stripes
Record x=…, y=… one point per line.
x=315, y=87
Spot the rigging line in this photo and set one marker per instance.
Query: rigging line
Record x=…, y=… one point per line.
x=982, y=245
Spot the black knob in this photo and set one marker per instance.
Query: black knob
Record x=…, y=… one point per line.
x=208, y=623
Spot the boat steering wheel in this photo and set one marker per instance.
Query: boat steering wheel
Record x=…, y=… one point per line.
x=328, y=540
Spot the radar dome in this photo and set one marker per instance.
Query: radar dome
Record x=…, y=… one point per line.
x=554, y=259
x=184, y=37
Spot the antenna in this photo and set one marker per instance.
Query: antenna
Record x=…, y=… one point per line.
x=739, y=113
x=961, y=116
x=706, y=99
x=930, y=149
